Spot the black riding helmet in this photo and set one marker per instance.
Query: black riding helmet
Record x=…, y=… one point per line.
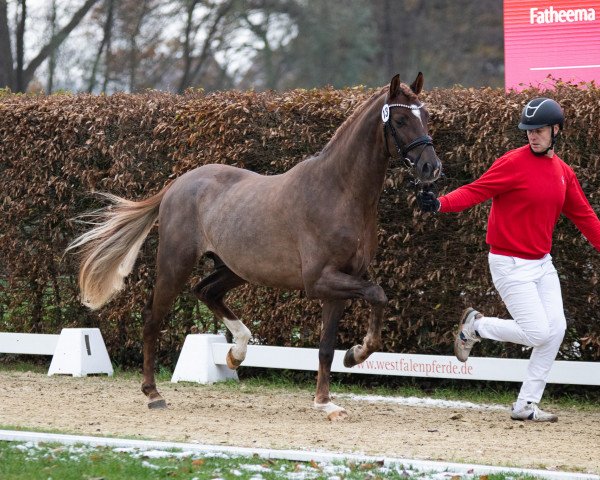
x=541, y=112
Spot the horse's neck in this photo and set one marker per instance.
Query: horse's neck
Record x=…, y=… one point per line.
x=356, y=159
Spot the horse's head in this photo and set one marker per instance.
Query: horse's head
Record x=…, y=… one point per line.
x=405, y=129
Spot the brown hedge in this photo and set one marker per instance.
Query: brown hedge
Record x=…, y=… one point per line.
x=55, y=150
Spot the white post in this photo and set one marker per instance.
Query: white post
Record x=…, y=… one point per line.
x=80, y=352
x=196, y=363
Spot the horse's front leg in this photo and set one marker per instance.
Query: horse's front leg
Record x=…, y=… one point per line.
x=372, y=341
x=334, y=286
x=332, y=312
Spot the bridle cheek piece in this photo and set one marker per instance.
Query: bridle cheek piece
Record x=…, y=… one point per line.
x=425, y=140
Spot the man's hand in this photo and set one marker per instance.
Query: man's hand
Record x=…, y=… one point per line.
x=427, y=201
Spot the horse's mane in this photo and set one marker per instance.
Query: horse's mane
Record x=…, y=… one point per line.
x=405, y=89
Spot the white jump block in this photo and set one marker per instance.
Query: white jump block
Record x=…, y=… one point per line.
x=196, y=362
x=80, y=352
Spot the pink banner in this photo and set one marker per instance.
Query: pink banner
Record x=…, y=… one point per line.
x=556, y=38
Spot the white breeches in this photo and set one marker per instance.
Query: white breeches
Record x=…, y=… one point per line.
x=531, y=292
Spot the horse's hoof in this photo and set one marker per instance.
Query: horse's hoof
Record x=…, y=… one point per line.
x=338, y=415
x=334, y=412
x=349, y=360
x=157, y=404
x=232, y=363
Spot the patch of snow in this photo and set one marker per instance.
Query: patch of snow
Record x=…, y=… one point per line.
x=335, y=469
x=150, y=465
x=255, y=468
x=421, y=402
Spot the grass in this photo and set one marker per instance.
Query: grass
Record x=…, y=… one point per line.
x=20, y=461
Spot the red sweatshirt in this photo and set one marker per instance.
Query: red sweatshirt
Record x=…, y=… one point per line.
x=528, y=195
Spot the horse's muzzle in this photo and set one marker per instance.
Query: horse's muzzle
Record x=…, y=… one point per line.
x=429, y=167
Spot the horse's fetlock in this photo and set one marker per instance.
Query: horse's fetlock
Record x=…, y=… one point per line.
x=381, y=298
x=202, y=294
x=244, y=335
x=322, y=400
x=373, y=345
x=148, y=388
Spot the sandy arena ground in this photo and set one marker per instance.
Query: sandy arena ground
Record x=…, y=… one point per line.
x=244, y=416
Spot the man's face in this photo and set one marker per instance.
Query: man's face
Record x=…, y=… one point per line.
x=540, y=138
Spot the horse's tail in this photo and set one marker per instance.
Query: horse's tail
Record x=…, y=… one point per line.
x=108, y=251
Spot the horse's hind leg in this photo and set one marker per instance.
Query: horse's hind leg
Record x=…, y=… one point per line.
x=211, y=290
x=173, y=271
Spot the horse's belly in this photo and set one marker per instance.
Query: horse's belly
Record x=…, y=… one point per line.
x=265, y=270
x=258, y=254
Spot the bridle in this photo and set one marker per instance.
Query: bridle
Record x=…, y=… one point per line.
x=425, y=140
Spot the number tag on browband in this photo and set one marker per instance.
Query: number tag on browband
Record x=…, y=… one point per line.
x=385, y=113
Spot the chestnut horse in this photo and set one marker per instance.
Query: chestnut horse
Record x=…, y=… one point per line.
x=312, y=228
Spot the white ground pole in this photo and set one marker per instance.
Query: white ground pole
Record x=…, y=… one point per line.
x=292, y=455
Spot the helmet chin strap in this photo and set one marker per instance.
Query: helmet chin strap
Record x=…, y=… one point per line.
x=552, y=142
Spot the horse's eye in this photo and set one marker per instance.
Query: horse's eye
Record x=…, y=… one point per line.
x=400, y=121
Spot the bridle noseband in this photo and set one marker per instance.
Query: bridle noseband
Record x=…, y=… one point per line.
x=425, y=140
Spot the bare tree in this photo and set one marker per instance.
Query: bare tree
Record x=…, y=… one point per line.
x=14, y=74
x=52, y=59
x=334, y=45
x=211, y=21
x=108, y=28
x=190, y=31
x=145, y=53
x=104, y=45
x=132, y=37
x=453, y=42
x=268, y=28
x=7, y=71
x=252, y=43
x=268, y=53
x=21, y=17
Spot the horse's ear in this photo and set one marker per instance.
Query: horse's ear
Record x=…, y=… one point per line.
x=417, y=85
x=395, y=86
